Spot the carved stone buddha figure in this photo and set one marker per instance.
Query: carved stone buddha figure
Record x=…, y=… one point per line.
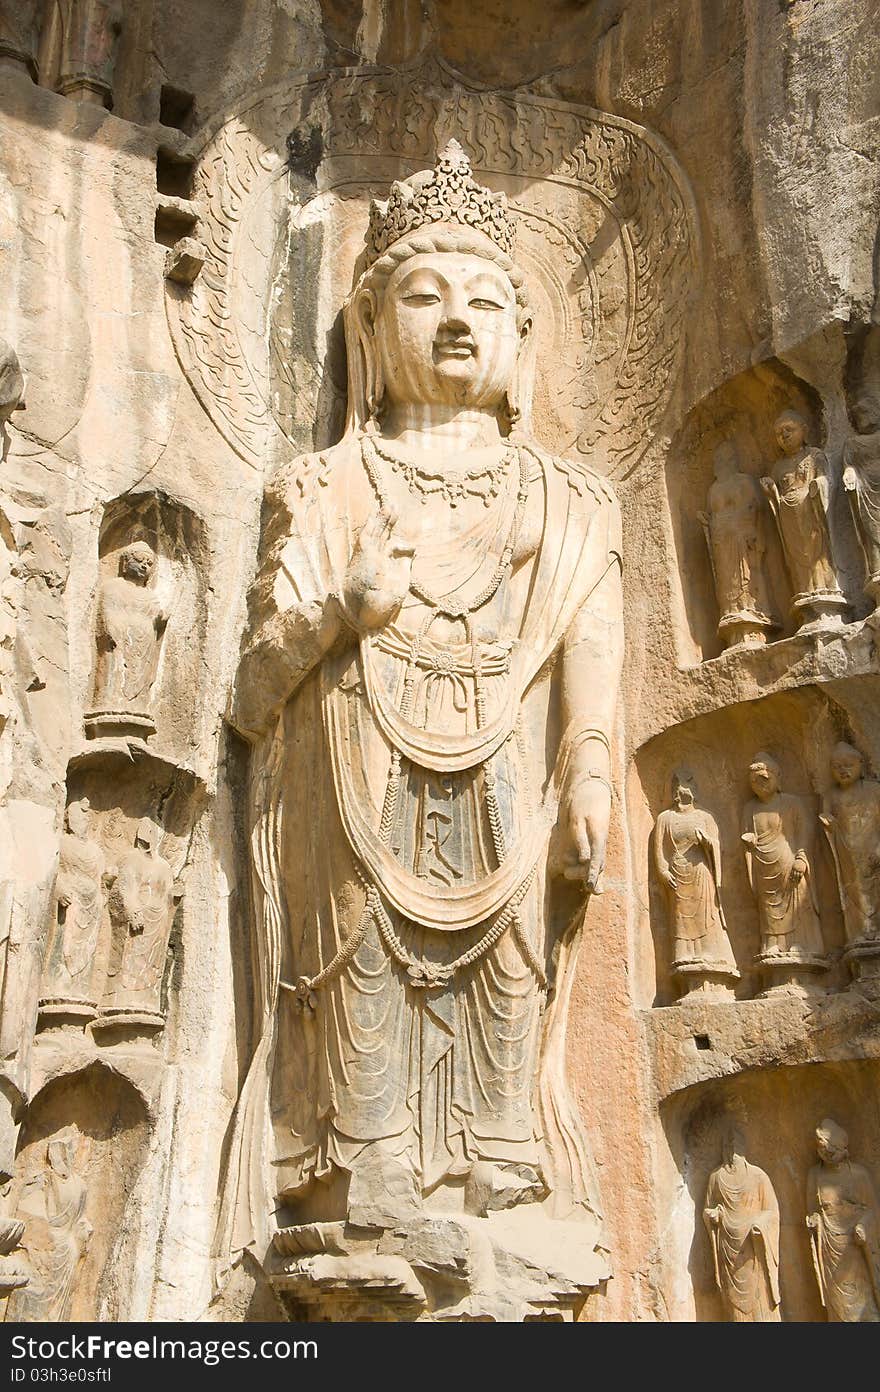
x=734, y=531
x=429, y=683
x=56, y=1235
x=861, y=481
x=851, y=817
x=779, y=853
x=687, y=855
x=742, y=1218
x=74, y=938
x=843, y=1220
x=131, y=622
x=799, y=489
x=142, y=903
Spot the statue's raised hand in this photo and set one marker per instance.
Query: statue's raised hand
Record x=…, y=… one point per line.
x=378, y=575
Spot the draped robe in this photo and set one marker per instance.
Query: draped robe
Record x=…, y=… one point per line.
x=788, y=909
x=697, y=924
x=448, y=1073
x=803, y=525
x=748, y=1262
x=843, y=1198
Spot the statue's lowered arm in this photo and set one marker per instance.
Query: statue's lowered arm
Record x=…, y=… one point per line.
x=592, y=664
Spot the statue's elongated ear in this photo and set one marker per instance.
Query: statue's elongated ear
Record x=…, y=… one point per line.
x=522, y=382
x=365, y=383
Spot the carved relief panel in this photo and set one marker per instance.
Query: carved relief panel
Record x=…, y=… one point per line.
x=148, y=626
x=116, y=896
x=774, y=540
x=81, y=1151
x=775, y=888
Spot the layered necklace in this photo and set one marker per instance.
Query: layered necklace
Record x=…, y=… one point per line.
x=451, y=604
x=453, y=486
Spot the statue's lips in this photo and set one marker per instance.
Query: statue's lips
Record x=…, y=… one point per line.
x=455, y=350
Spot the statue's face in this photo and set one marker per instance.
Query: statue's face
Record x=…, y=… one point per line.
x=137, y=565
x=734, y=1145
x=763, y=779
x=866, y=413
x=846, y=767
x=726, y=462
x=830, y=1148
x=682, y=791
x=78, y=818
x=447, y=332
x=58, y=1153
x=789, y=434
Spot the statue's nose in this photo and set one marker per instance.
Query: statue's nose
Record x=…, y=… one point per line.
x=456, y=318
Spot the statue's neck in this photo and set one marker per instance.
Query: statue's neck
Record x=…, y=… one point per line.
x=441, y=428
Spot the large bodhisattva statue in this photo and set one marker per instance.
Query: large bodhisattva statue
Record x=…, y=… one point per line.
x=430, y=681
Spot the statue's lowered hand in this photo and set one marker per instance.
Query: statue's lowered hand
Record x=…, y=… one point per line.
x=589, y=812
x=378, y=575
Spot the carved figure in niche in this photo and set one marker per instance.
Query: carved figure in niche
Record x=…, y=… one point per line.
x=798, y=489
x=851, y=817
x=778, y=841
x=19, y=26
x=142, y=904
x=742, y=1218
x=687, y=854
x=131, y=621
x=56, y=1234
x=861, y=480
x=78, y=48
x=413, y=581
x=843, y=1219
x=734, y=532
x=68, y=974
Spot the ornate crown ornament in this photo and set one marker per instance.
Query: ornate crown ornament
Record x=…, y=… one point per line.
x=447, y=193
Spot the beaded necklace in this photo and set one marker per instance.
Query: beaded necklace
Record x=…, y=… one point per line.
x=454, y=486
x=449, y=604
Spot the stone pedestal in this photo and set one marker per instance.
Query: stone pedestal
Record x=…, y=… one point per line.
x=820, y=610
x=515, y=1265
x=705, y=981
x=744, y=630
x=56, y=1011
x=121, y=724
x=863, y=960
x=791, y=974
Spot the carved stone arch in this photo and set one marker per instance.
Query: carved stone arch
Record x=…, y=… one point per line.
x=776, y=1110
x=82, y=1146
x=282, y=198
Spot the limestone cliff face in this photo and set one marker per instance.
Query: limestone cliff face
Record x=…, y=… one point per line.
x=184, y=192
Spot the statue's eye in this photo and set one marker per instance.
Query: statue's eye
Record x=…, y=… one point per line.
x=484, y=304
x=422, y=297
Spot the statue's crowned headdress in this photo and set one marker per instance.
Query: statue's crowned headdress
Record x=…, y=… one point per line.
x=447, y=193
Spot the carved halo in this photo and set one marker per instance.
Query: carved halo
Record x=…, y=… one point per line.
x=606, y=234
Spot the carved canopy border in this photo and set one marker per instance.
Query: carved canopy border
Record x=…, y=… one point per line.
x=551, y=156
